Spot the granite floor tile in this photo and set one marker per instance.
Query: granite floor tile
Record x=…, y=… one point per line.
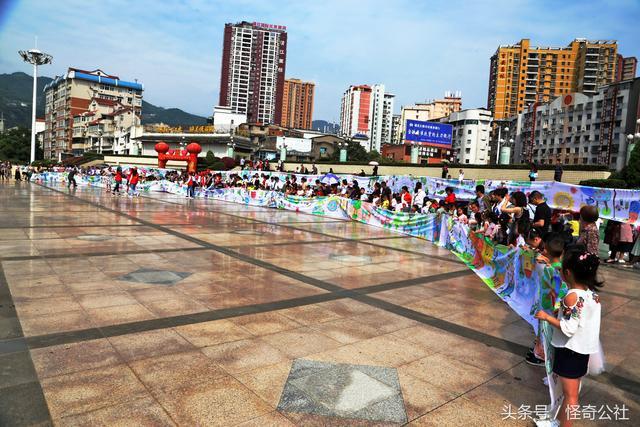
x=84, y=391
x=244, y=355
x=221, y=402
x=170, y=371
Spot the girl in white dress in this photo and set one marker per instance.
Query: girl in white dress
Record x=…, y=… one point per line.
x=576, y=334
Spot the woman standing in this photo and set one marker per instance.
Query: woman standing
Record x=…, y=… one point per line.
x=533, y=173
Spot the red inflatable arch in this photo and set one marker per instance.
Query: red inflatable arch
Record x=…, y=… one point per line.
x=190, y=155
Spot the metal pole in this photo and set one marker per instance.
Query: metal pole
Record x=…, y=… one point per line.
x=33, y=113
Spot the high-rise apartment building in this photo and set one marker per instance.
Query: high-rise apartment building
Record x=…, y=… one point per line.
x=432, y=110
x=366, y=114
x=253, y=66
x=73, y=95
x=297, y=104
x=521, y=74
x=626, y=69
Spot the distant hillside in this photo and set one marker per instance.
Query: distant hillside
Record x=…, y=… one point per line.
x=15, y=104
x=170, y=116
x=15, y=98
x=325, y=126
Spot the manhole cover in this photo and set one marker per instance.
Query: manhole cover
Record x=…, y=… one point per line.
x=94, y=237
x=155, y=277
x=351, y=259
x=342, y=390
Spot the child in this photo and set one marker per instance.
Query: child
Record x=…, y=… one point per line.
x=552, y=257
x=462, y=218
x=589, y=236
x=534, y=240
x=118, y=179
x=490, y=223
x=577, y=328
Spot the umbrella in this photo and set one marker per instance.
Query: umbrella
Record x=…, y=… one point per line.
x=372, y=163
x=330, y=179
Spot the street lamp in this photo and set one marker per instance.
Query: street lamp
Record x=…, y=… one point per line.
x=500, y=140
x=34, y=57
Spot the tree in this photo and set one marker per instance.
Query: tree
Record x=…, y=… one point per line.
x=631, y=172
x=15, y=146
x=355, y=153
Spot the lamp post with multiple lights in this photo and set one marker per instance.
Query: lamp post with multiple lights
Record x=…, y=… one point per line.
x=34, y=57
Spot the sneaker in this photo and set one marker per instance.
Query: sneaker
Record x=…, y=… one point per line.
x=531, y=359
x=621, y=261
x=545, y=381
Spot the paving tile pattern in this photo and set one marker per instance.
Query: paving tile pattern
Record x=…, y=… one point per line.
x=228, y=301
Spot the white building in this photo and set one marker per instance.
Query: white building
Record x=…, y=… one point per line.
x=471, y=135
x=366, y=115
x=225, y=120
x=576, y=129
x=428, y=111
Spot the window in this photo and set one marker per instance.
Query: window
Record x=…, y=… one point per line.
x=469, y=132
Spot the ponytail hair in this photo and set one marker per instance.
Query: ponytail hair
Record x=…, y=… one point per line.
x=584, y=267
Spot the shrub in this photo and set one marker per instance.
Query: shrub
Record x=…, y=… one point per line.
x=604, y=183
x=229, y=163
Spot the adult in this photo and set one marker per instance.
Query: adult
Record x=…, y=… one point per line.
x=621, y=240
x=445, y=170
x=18, y=176
x=314, y=169
x=419, y=195
x=375, y=170
x=242, y=162
x=71, y=178
x=542, y=215
x=533, y=173
x=557, y=173
x=484, y=202
x=518, y=207
x=460, y=176
x=498, y=200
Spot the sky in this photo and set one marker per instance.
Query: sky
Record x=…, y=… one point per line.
x=417, y=48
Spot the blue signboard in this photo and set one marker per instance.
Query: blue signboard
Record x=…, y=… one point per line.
x=430, y=133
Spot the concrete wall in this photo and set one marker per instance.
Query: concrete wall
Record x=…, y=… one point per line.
x=569, y=176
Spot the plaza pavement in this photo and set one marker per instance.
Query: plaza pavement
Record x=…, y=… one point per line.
x=160, y=311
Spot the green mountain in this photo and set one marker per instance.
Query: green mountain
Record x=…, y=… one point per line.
x=15, y=104
x=15, y=98
x=170, y=116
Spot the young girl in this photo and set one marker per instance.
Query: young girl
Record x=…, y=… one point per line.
x=461, y=216
x=577, y=328
x=589, y=236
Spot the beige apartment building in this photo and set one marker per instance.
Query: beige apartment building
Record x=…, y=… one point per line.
x=84, y=110
x=297, y=104
x=521, y=75
x=432, y=110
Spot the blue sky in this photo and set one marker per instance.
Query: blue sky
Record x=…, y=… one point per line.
x=417, y=48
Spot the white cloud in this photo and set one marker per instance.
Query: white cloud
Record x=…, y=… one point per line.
x=418, y=49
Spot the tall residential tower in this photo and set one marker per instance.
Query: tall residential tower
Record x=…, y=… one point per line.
x=253, y=66
x=297, y=104
x=366, y=114
x=521, y=75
